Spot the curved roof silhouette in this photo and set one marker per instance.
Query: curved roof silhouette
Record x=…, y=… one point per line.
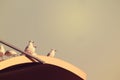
x=22, y=68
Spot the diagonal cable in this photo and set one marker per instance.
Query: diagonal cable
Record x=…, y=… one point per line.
x=29, y=56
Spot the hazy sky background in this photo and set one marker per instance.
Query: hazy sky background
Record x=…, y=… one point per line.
x=85, y=33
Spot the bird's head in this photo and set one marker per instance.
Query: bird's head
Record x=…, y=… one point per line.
x=53, y=50
x=31, y=41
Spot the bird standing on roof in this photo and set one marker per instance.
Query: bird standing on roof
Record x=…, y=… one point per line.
x=30, y=48
x=2, y=51
x=51, y=53
x=10, y=53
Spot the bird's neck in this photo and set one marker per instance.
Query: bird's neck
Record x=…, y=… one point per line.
x=30, y=44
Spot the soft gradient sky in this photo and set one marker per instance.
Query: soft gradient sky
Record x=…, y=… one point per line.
x=85, y=33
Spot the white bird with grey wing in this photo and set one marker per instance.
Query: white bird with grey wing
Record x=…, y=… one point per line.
x=51, y=53
x=11, y=53
x=30, y=48
x=2, y=51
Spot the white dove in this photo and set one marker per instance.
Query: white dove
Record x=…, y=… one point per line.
x=10, y=53
x=51, y=53
x=2, y=51
x=30, y=48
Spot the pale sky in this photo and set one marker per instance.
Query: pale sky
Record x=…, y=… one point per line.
x=85, y=33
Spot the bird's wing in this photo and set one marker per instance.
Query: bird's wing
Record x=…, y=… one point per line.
x=48, y=54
